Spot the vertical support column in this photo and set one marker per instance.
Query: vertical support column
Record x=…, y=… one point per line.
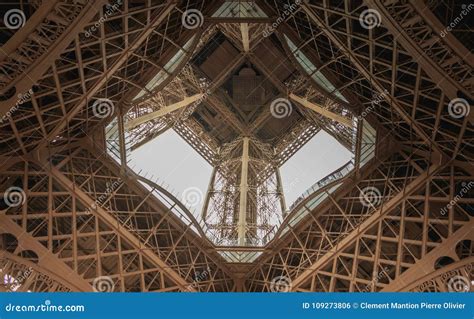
x=358, y=146
x=280, y=193
x=242, y=223
x=244, y=29
x=210, y=189
x=123, y=150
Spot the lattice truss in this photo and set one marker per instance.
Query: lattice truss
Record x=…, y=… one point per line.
x=87, y=227
x=349, y=246
x=182, y=86
x=20, y=274
x=264, y=210
x=82, y=217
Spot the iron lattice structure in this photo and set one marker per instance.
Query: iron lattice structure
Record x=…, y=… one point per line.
x=73, y=212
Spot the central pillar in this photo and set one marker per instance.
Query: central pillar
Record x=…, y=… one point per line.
x=242, y=223
x=280, y=193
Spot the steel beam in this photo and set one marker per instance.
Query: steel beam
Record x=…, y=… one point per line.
x=242, y=222
x=426, y=265
x=320, y=110
x=163, y=111
x=46, y=259
x=120, y=229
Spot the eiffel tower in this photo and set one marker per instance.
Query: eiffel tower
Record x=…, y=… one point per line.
x=246, y=84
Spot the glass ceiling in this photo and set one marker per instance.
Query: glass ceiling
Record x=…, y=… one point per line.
x=242, y=9
x=311, y=69
x=167, y=70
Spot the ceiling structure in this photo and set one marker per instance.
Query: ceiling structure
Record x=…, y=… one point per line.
x=246, y=84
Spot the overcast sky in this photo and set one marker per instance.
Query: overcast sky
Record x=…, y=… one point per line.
x=184, y=172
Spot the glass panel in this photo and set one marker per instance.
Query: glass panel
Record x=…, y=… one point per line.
x=311, y=69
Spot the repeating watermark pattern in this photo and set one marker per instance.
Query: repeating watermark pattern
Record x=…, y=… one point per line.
x=110, y=9
x=376, y=100
x=22, y=98
x=459, y=284
x=281, y=284
x=16, y=282
x=192, y=196
x=370, y=18
x=198, y=277
x=103, y=284
x=192, y=19
x=465, y=10
x=281, y=108
x=103, y=108
x=465, y=188
x=375, y=280
x=14, y=19
x=14, y=196
x=109, y=189
x=289, y=9
x=203, y=98
x=370, y=196
x=458, y=108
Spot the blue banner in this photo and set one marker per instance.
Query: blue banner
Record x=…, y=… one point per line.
x=237, y=305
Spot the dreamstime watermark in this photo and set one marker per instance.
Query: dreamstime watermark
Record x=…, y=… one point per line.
x=375, y=280
x=459, y=284
x=103, y=108
x=199, y=276
x=103, y=284
x=14, y=19
x=109, y=189
x=192, y=19
x=47, y=306
x=192, y=196
x=376, y=100
x=281, y=284
x=370, y=196
x=458, y=108
x=203, y=98
x=110, y=9
x=14, y=196
x=465, y=10
x=16, y=282
x=465, y=188
x=280, y=108
x=370, y=18
x=289, y=9
x=22, y=98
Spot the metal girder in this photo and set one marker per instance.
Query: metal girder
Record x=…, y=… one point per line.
x=428, y=263
x=242, y=222
x=124, y=55
x=440, y=280
x=46, y=259
x=320, y=110
x=29, y=53
x=380, y=89
x=450, y=72
x=369, y=222
x=34, y=278
x=163, y=229
x=339, y=245
x=121, y=230
x=163, y=111
x=244, y=28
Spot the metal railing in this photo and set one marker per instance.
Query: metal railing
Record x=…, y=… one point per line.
x=337, y=174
